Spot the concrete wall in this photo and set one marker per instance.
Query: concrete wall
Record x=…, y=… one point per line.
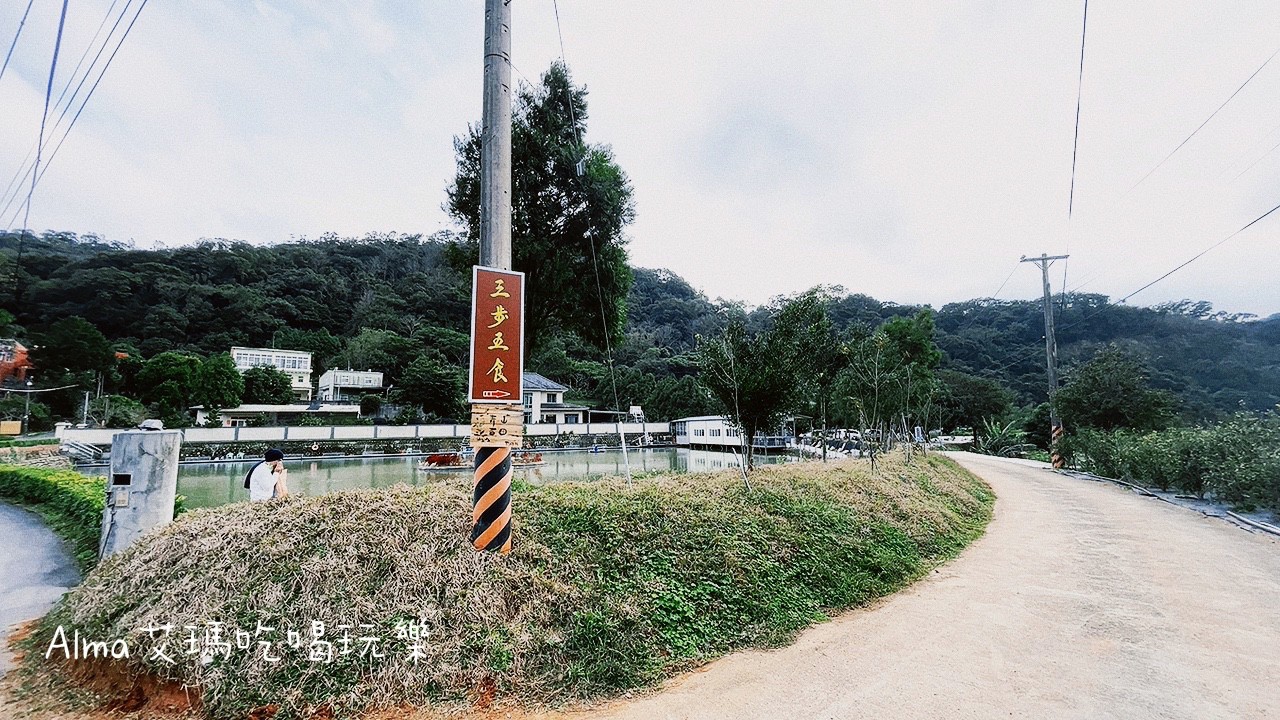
x=96, y=436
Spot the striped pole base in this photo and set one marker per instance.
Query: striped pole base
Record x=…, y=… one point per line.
x=491, y=500
x=1058, y=462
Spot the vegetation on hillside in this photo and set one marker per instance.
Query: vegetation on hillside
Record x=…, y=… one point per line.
x=609, y=587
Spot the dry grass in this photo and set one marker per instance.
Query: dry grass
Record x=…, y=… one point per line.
x=607, y=589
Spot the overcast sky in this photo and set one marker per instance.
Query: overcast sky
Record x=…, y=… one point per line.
x=911, y=151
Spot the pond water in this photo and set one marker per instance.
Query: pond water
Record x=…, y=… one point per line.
x=209, y=485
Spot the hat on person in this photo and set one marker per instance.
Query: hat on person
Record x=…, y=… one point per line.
x=274, y=454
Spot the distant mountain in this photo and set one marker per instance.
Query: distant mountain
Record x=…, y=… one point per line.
x=216, y=294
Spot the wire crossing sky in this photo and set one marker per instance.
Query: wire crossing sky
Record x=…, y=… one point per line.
x=914, y=169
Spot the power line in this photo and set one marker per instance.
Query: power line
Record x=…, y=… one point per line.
x=1201, y=254
x=24, y=171
x=48, y=93
x=1075, y=144
x=16, y=35
x=89, y=95
x=1206, y=122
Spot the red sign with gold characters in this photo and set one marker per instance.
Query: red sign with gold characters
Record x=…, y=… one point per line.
x=497, y=335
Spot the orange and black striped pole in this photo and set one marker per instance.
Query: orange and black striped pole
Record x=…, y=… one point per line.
x=1054, y=453
x=491, y=500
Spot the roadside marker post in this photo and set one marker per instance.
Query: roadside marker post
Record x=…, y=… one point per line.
x=496, y=391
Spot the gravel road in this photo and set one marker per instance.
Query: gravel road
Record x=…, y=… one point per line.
x=1083, y=600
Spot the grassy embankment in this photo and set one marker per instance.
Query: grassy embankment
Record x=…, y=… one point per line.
x=609, y=588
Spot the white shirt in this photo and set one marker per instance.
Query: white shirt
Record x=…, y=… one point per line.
x=262, y=483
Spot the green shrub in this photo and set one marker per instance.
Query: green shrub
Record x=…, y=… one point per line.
x=1236, y=461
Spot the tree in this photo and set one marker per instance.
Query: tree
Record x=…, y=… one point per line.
x=117, y=411
x=759, y=377
x=169, y=385
x=889, y=381
x=570, y=205
x=968, y=400
x=1110, y=392
x=219, y=384
x=72, y=345
x=266, y=385
x=433, y=384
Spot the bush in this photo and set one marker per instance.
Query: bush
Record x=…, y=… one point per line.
x=608, y=587
x=1236, y=461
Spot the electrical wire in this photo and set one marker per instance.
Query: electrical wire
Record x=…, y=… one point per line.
x=1201, y=254
x=48, y=93
x=1075, y=144
x=1206, y=122
x=24, y=170
x=16, y=35
x=89, y=95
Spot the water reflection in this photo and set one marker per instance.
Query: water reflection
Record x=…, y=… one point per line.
x=222, y=483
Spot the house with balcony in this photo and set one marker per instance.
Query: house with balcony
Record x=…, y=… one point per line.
x=544, y=403
x=348, y=386
x=294, y=363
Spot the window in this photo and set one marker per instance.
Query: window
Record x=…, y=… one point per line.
x=715, y=432
x=548, y=418
x=528, y=399
x=571, y=419
x=552, y=397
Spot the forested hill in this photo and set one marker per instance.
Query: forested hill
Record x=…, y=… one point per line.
x=385, y=300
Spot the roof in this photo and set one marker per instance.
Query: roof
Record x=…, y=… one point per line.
x=721, y=418
x=534, y=381
x=292, y=408
x=563, y=406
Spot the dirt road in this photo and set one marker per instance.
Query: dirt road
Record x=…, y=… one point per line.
x=1083, y=600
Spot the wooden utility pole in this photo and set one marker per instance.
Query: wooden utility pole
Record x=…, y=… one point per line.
x=490, y=434
x=1050, y=353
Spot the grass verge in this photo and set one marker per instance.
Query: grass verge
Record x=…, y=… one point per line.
x=609, y=588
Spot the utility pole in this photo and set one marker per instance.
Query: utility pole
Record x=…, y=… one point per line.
x=491, y=487
x=495, y=138
x=1050, y=353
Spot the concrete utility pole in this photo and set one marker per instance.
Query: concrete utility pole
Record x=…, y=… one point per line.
x=495, y=138
x=1050, y=352
x=491, y=487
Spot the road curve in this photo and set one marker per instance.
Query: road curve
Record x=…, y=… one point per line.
x=1083, y=600
x=35, y=570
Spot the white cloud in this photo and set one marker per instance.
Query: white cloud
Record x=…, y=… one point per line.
x=911, y=151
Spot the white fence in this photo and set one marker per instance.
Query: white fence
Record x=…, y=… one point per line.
x=98, y=436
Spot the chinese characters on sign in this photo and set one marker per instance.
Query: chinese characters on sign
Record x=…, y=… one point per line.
x=497, y=425
x=497, y=335
x=497, y=351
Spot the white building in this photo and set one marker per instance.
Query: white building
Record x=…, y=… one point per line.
x=348, y=385
x=294, y=363
x=716, y=432
x=544, y=402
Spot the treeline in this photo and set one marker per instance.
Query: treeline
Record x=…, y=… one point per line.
x=400, y=304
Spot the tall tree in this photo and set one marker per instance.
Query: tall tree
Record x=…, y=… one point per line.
x=1111, y=391
x=219, y=384
x=169, y=386
x=434, y=384
x=266, y=385
x=760, y=377
x=570, y=205
x=72, y=345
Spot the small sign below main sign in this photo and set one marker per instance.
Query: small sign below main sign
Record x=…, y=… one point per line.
x=497, y=336
x=497, y=425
